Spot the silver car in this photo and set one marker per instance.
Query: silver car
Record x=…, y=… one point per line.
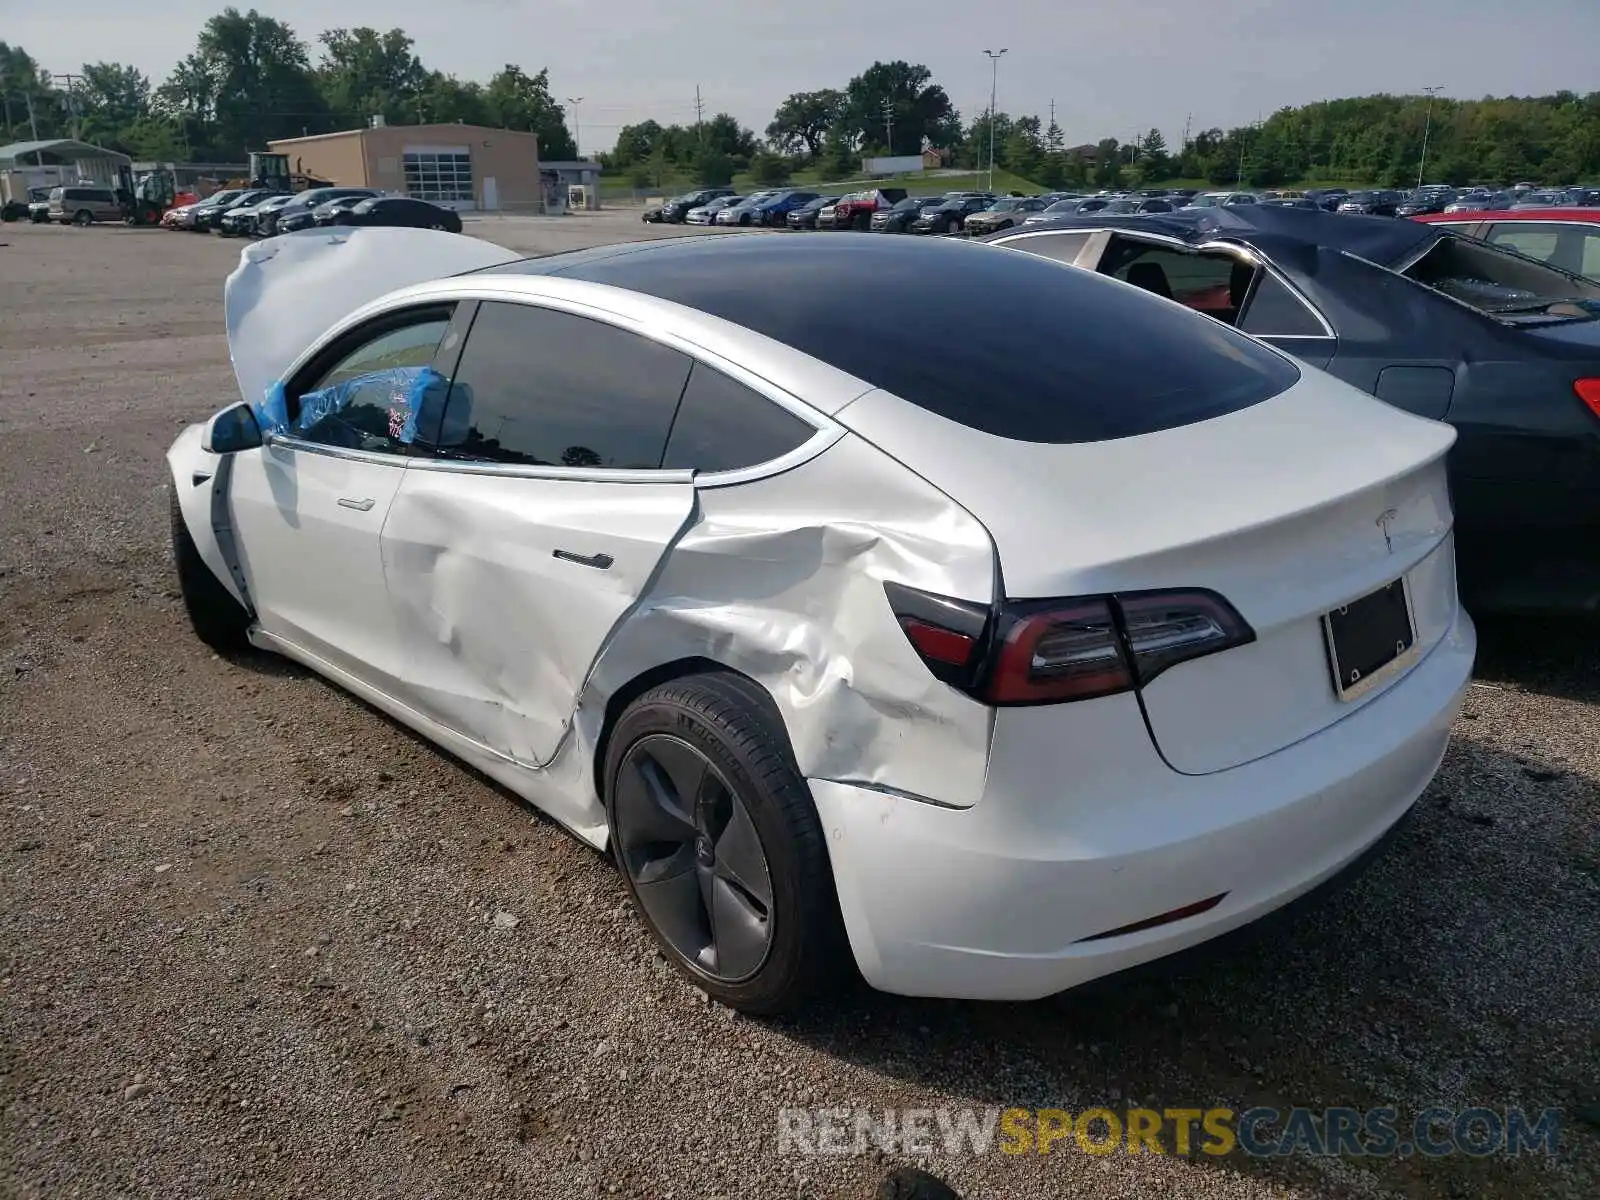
x=966, y=658
x=706, y=214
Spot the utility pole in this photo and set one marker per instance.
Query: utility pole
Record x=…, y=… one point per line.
x=577, y=123
x=33, y=119
x=72, y=100
x=1427, y=128
x=699, y=116
x=994, y=83
x=1186, y=123
x=888, y=125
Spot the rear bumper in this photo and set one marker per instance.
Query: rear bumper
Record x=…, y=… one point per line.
x=996, y=902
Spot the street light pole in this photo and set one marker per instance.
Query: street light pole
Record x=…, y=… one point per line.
x=1427, y=128
x=994, y=81
x=577, y=123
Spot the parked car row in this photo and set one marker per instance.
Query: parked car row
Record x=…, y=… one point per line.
x=262, y=212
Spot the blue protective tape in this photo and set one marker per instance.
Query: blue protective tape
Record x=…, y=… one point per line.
x=401, y=390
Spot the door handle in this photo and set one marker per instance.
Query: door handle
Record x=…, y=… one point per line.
x=362, y=505
x=600, y=562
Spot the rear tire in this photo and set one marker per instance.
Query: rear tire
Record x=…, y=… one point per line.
x=952, y=226
x=218, y=619
x=728, y=726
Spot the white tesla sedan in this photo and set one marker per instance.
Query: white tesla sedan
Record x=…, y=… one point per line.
x=989, y=660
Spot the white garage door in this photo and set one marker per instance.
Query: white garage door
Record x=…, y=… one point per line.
x=441, y=174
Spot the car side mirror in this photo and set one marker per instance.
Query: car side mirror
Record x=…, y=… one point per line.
x=233, y=429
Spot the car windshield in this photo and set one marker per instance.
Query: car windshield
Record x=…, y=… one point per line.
x=1503, y=284
x=1361, y=198
x=1064, y=206
x=1209, y=200
x=1004, y=205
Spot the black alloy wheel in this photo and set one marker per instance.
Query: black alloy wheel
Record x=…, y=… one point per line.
x=694, y=858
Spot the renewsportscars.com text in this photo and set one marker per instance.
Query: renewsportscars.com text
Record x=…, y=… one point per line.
x=1257, y=1132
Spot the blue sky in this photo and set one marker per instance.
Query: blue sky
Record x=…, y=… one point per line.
x=1111, y=67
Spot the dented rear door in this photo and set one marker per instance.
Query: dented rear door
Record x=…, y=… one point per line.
x=513, y=550
x=504, y=589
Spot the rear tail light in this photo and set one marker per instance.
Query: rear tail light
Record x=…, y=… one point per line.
x=1589, y=392
x=1051, y=651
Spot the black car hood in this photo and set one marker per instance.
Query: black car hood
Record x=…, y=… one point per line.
x=1290, y=232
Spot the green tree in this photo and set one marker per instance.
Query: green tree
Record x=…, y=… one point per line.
x=447, y=100
x=635, y=143
x=921, y=108
x=516, y=100
x=1108, y=163
x=247, y=81
x=110, y=99
x=1024, y=147
x=1155, y=164
x=973, y=152
x=28, y=99
x=713, y=168
x=803, y=120
x=155, y=139
x=839, y=159
x=365, y=73
x=770, y=170
x=725, y=135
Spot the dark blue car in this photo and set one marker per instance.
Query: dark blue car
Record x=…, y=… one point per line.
x=776, y=210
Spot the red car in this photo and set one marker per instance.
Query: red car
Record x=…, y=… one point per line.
x=1566, y=238
x=855, y=211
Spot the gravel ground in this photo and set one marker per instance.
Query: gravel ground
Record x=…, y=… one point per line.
x=258, y=940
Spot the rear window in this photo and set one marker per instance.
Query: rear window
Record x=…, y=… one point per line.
x=1069, y=357
x=1505, y=286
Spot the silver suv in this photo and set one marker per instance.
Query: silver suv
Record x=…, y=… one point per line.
x=84, y=204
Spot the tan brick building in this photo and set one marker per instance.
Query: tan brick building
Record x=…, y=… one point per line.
x=468, y=167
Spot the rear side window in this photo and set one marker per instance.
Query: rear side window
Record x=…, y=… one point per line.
x=538, y=387
x=1275, y=311
x=723, y=426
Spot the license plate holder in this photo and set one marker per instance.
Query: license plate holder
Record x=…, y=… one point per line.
x=1370, y=640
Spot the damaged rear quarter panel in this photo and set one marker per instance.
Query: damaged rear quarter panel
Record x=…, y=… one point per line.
x=782, y=579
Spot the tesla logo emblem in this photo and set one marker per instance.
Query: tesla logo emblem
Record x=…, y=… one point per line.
x=1382, y=523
